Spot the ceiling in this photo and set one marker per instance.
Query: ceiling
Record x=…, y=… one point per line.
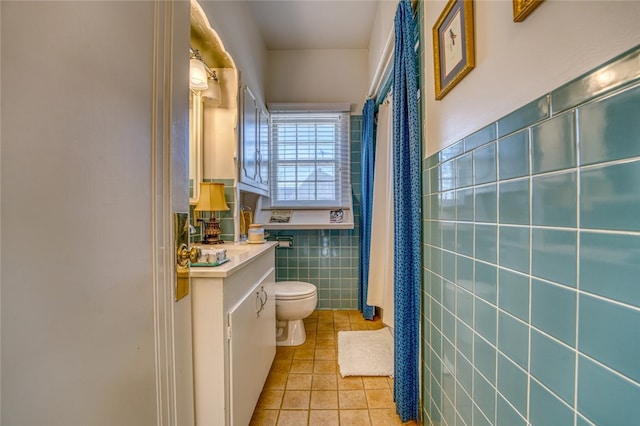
x=314, y=24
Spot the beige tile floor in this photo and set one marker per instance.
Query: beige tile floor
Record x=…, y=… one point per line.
x=304, y=386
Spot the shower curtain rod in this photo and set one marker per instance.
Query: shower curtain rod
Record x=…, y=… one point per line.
x=383, y=69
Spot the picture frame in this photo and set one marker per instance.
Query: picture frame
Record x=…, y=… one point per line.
x=453, y=45
x=522, y=8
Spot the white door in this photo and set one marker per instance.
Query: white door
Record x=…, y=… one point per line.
x=93, y=164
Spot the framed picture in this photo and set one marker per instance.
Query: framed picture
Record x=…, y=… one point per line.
x=522, y=8
x=453, y=45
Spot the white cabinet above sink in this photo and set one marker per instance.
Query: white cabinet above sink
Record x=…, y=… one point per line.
x=254, y=144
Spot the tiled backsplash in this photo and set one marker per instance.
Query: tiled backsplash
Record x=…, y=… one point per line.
x=328, y=258
x=531, y=309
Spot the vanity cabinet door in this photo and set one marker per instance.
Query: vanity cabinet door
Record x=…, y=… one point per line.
x=252, y=347
x=254, y=144
x=249, y=143
x=263, y=148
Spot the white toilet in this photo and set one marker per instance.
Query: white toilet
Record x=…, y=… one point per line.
x=295, y=300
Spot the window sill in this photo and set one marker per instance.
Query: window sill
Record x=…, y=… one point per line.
x=304, y=219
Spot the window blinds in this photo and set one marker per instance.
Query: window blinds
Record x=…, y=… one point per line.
x=309, y=159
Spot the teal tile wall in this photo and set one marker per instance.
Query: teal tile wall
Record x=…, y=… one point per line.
x=531, y=310
x=328, y=258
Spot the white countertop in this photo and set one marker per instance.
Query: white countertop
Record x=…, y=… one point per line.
x=239, y=256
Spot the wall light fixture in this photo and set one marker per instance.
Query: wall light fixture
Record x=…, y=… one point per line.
x=204, y=79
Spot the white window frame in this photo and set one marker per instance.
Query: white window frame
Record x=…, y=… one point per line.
x=309, y=214
x=302, y=155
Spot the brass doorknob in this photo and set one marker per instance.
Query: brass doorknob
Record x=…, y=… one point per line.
x=185, y=255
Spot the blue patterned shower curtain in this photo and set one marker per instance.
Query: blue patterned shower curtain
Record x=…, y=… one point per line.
x=407, y=195
x=368, y=154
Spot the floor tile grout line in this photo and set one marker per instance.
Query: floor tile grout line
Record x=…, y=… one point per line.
x=364, y=325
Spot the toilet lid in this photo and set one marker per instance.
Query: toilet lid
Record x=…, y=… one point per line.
x=294, y=289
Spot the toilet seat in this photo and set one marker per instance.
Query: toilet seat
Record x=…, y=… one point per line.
x=294, y=290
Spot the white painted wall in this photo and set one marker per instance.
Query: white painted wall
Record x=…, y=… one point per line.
x=292, y=75
x=518, y=62
x=234, y=23
x=382, y=33
x=220, y=139
x=93, y=162
x=321, y=75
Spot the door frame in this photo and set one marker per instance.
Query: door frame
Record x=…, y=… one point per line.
x=170, y=194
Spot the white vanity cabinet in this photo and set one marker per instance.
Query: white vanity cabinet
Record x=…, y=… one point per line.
x=251, y=347
x=233, y=309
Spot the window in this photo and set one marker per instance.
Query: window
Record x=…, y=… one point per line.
x=309, y=159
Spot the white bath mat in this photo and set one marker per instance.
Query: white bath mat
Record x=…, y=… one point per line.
x=366, y=353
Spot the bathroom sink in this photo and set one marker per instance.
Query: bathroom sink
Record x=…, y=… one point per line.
x=238, y=256
x=230, y=248
x=233, y=249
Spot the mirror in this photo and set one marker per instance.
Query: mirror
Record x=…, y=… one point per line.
x=195, y=146
x=206, y=127
x=213, y=119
